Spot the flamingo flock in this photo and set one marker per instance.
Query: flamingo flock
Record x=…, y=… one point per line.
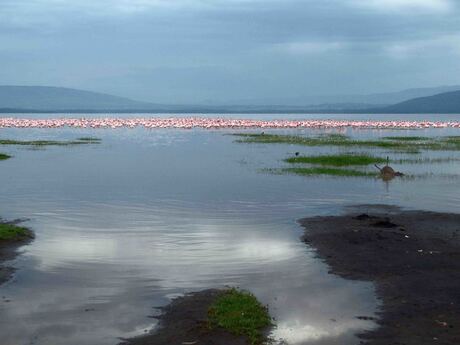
x=216, y=123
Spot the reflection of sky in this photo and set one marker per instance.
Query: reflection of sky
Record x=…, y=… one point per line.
x=124, y=225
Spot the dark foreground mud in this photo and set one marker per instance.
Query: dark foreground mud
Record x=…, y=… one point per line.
x=414, y=259
x=9, y=250
x=184, y=322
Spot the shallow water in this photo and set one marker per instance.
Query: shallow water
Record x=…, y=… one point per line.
x=126, y=225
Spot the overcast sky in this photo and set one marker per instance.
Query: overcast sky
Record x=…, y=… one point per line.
x=193, y=51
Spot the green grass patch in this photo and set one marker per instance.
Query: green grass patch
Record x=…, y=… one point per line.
x=240, y=313
x=453, y=140
x=324, y=140
x=337, y=160
x=328, y=171
x=10, y=232
x=4, y=156
x=337, y=136
x=426, y=160
x=409, y=146
x=414, y=138
x=79, y=141
x=91, y=139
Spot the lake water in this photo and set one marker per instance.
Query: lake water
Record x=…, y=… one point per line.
x=126, y=225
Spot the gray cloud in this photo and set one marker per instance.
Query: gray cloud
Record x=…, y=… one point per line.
x=183, y=51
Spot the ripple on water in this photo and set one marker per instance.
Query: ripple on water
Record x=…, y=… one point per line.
x=124, y=226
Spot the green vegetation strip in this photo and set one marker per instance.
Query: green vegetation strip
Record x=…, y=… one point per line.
x=426, y=160
x=10, y=232
x=78, y=141
x=453, y=140
x=408, y=138
x=337, y=160
x=240, y=313
x=4, y=156
x=328, y=171
x=90, y=139
x=405, y=145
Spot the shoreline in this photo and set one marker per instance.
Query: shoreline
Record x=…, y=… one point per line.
x=412, y=257
x=9, y=251
x=185, y=321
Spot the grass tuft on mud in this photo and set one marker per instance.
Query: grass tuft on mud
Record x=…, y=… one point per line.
x=11, y=232
x=337, y=160
x=327, y=171
x=4, y=156
x=79, y=141
x=240, y=313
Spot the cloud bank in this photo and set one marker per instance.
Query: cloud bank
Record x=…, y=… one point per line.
x=216, y=51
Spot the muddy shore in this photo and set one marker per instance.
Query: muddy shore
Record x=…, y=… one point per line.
x=9, y=251
x=184, y=321
x=413, y=257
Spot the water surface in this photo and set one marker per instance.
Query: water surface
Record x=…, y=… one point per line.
x=146, y=215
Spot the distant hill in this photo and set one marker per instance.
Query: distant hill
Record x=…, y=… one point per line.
x=44, y=98
x=391, y=98
x=47, y=99
x=443, y=103
x=338, y=101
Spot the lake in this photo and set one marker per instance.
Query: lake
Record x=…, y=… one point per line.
x=146, y=215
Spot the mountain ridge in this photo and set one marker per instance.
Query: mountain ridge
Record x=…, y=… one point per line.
x=62, y=98
x=443, y=103
x=49, y=99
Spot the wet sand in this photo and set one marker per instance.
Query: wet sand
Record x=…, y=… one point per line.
x=184, y=321
x=413, y=257
x=9, y=250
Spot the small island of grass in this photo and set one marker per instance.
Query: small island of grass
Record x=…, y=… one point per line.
x=79, y=141
x=327, y=171
x=4, y=156
x=11, y=232
x=408, y=138
x=452, y=139
x=398, y=144
x=337, y=160
x=12, y=237
x=224, y=317
x=89, y=139
x=240, y=313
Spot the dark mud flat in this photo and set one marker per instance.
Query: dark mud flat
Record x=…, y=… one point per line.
x=184, y=322
x=413, y=257
x=9, y=250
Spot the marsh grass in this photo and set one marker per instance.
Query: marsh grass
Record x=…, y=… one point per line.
x=239, y=312
x=410, y=138
x=89, y=139
x=408, y=146
x=337, y=136
x=455, y=140
x=350, y=159
x=10, y=232
x=426, y=160
x=326, y=171
x=337, y=160
x=4, y=156
x=79, y=141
